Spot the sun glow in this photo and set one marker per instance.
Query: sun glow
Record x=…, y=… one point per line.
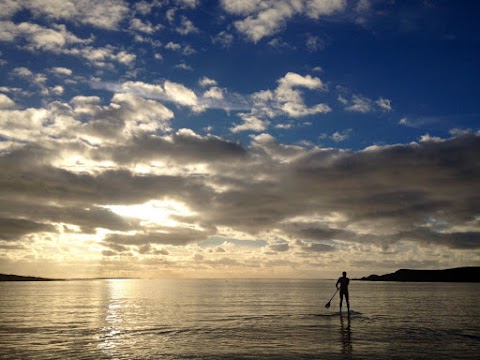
x=154, y=211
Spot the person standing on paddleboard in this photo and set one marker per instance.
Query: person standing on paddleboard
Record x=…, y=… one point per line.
x=343, y=282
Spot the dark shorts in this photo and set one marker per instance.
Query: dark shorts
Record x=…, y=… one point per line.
x=343, y=293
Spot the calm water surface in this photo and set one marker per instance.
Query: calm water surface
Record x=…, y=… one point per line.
x=237, y=319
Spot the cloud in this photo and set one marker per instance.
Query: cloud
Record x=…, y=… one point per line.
x=192, y=4
x=168, y=91
x=264, y=18
x=384, y=104
x=106, y=14
x=223, y=38
x=205, y=81
x=38, y=37
x=314, y=43
x=61, y=71
x=127, y=115
x=339, y=136
x=12, y=229
x=285, y=100
x=317, y=201
x=250, y=123
x=317, y=8
x=359, y=104
x=363, y=104
x=214, y=93
x=59, y=40
x=185, y=50
x=186, y=27
x=145, y=27
x=6, y=102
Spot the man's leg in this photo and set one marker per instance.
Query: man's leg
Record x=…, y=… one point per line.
x=348, y=302
x=341, y=300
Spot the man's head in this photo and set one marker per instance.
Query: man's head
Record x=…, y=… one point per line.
x=344, y=274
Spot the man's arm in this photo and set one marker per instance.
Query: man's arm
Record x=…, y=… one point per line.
x=338, y=282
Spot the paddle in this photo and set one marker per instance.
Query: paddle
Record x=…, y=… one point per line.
x=327, y=305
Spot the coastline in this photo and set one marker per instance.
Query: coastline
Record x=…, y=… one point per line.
x=462, y=274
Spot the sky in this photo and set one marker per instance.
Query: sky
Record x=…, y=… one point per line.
x=238, y=138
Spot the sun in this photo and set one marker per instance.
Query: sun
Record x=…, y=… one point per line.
x=154, y=212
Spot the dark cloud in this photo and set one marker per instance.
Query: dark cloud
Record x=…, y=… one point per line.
x=165, y=236
x=314, y=247
x=180, y=148
x=279, y=247
x=381, y=195
x=14, y=229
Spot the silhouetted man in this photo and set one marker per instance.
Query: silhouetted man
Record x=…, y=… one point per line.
x=343, y=282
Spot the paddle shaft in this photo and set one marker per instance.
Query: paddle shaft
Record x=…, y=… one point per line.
x=333, y=295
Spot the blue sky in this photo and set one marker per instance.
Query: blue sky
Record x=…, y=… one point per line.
x=238, y=137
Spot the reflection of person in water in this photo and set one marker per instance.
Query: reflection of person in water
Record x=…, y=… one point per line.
x=343, y=282
x=346, y=336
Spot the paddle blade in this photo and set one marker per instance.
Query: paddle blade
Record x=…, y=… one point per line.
x=327, y=305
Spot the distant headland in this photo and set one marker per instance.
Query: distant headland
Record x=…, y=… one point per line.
x=5, y=277
x=462, y=274
x=9, y=277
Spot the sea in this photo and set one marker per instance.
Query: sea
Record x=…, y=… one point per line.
x=237, y=319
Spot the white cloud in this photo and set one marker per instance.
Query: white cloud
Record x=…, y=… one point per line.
x=265, y=18
x=58, y=90
x=9, y=7
x=60, y=41
x=363, y=104
x=180, y=94
x=290, y=100
x=384, y=104
x=214, y=93
x=102, y=56
x=145, y=7
x=106, y=14
x=280, y=44
x=6, y=102
x=173, y=46
x=38, y=37
x=360, y=104
x=192, y=4
x=145, y=27
x=317, y=8
x=61, y=70
x=184, y=66
x=314, y=43
x=340, y=136
x=186, y=27
x=267, y=22
x=22, y=72
x=169, y=91
x=82, y=100
x=32, y=125
x=285, y=100
x=291, y=80
x=84, y=118
x=223, y=38
x=205, y=82
x=142, y=115
x=250, y=123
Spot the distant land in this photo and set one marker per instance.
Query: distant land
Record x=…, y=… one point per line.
x=462, y=274
x=5, y=277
